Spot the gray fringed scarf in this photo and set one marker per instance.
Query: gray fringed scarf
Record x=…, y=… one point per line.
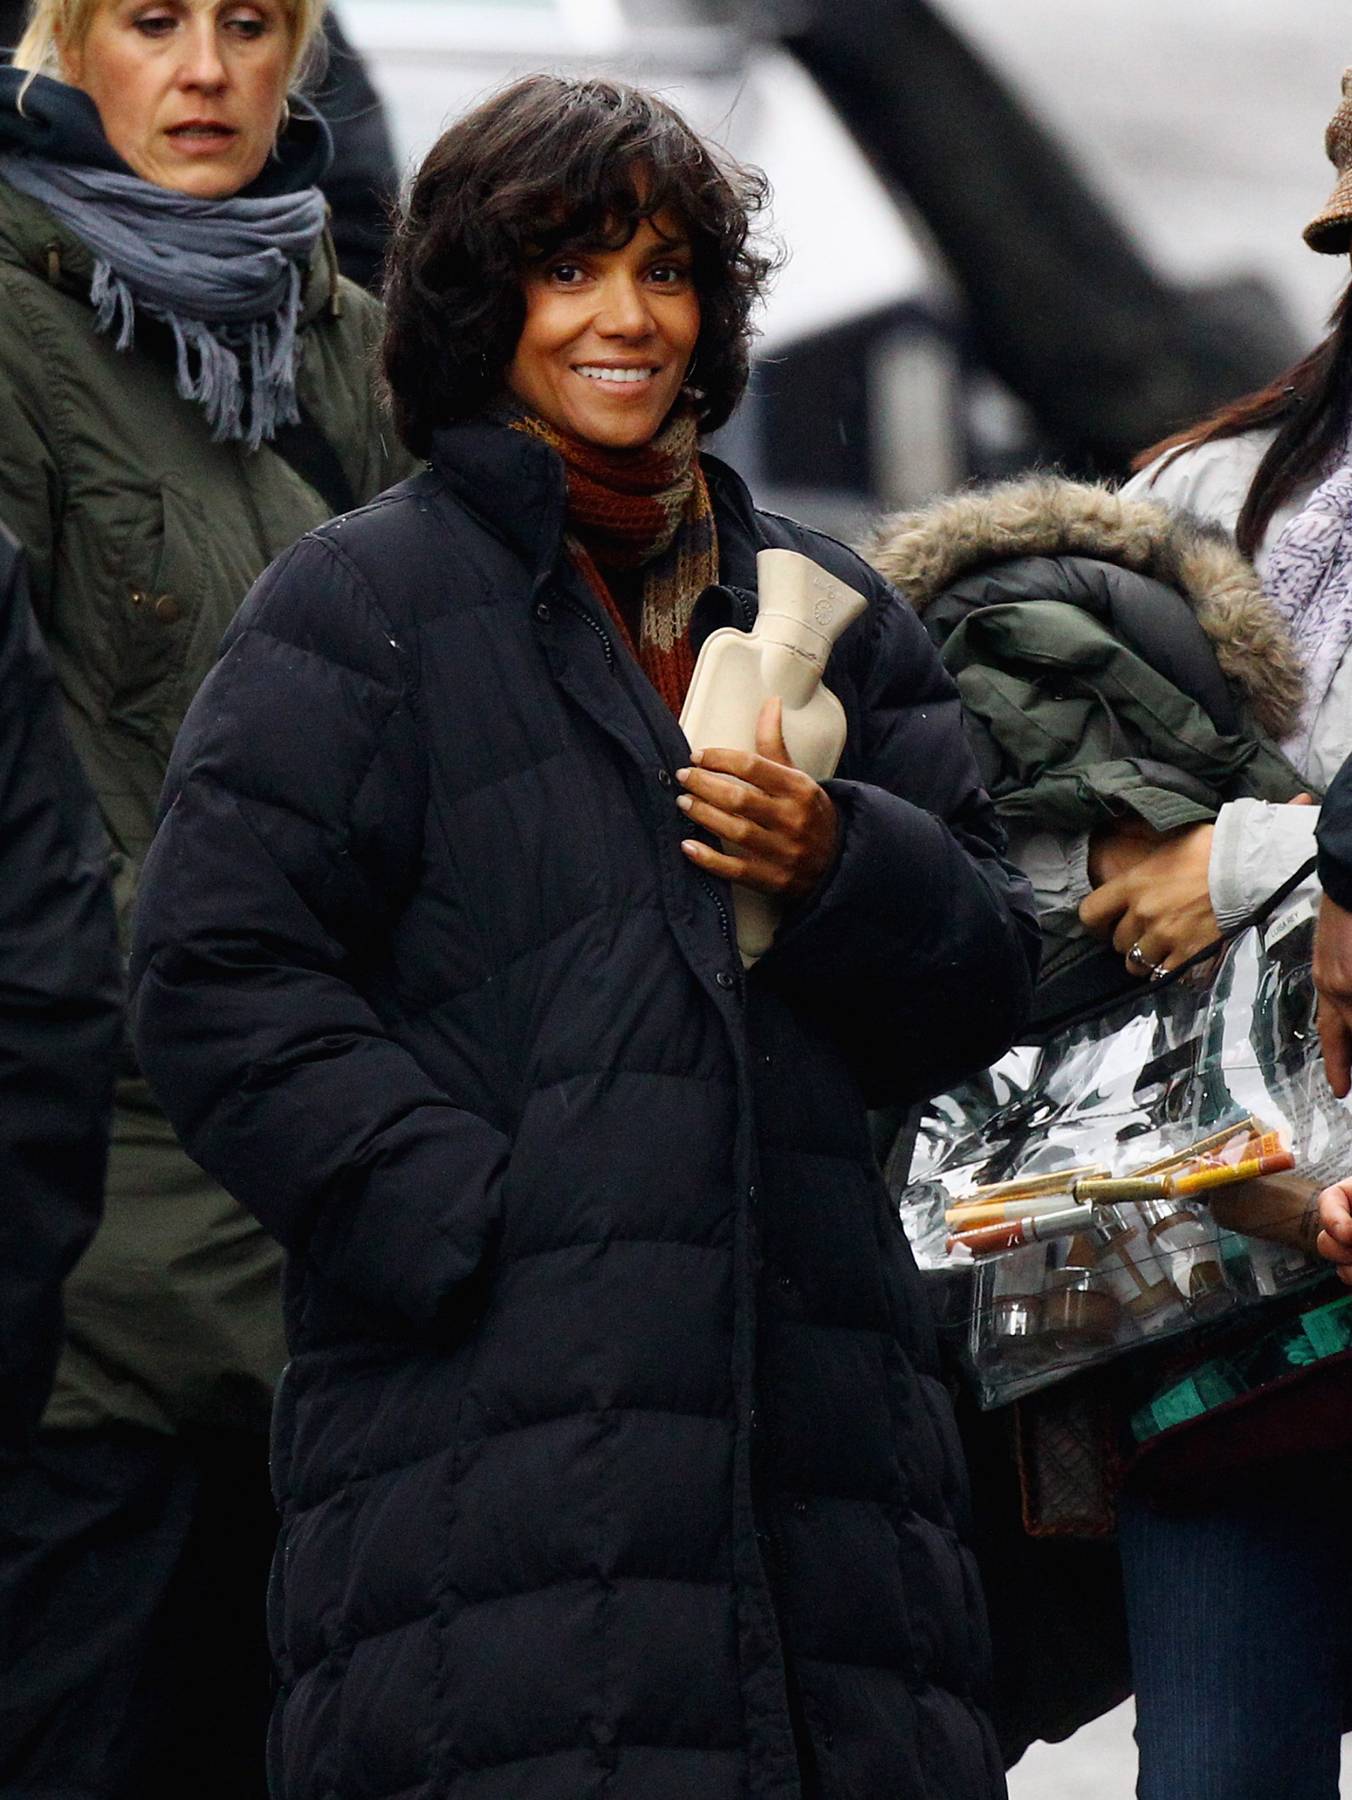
x=224, y=275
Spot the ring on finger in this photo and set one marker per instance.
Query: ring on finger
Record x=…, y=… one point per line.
x=1137, y=959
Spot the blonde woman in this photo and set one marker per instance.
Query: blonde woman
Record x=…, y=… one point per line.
x=183, y=391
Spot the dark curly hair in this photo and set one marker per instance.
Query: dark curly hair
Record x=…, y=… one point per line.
x=549, y=164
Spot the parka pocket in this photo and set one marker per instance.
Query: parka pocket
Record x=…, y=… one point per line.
x=159, y=597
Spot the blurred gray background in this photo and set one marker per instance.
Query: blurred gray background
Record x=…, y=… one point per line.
x=1019, y=230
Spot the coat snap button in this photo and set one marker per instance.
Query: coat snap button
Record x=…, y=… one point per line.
x=167, y=610
x=726, y=979
x=664, y=778
x=542, y=610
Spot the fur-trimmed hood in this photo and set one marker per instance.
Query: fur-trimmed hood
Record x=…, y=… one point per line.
x=923, y=553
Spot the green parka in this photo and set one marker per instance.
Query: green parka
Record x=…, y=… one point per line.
x=143, y=538
x=1115, y=661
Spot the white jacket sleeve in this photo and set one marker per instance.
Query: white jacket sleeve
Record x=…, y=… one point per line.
x=1256, y=848
x=1257, y=845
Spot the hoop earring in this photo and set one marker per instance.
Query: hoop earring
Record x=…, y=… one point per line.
x=285, y=117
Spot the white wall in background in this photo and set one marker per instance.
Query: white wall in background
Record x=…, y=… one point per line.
x=1202, y=119
x=850, y=248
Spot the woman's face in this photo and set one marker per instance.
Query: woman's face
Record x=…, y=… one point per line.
x=190, y=92
x=608, y=336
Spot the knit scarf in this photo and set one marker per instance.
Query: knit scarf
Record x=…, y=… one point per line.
x=1308, y=578
x=224, y=275
x=643, y=509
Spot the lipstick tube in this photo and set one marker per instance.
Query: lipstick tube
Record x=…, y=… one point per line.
x=996, y=1212
x=1027, y=1187
x=1197, y=1181
x=1009, y=1236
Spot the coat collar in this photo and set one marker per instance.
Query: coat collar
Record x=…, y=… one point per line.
x=515, y=485
x=511, y=482
x=739, y=530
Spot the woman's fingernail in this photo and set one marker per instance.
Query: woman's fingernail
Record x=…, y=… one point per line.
x=682, y=774
x=691, y=846
x=697, y=756
x=685, y=801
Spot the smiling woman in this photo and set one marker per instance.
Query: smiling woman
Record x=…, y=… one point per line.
x=612, y=1452
x=609, y=334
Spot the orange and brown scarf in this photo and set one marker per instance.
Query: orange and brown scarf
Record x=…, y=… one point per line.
x=643, y=509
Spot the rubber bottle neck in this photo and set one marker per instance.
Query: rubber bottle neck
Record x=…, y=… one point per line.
x=795, y=634
x=789, y=669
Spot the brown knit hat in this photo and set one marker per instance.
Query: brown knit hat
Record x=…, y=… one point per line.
x=1331, y=230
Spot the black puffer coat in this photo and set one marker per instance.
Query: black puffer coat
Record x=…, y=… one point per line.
x=60, y=1011
x=1335, y=838
x=610, y=1369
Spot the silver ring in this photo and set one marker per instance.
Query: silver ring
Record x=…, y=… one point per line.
x=1140, y=960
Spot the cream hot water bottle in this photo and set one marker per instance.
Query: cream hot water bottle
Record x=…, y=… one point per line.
x=803, y=610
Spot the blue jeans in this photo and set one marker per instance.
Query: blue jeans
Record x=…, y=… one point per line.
x=1240, y=1622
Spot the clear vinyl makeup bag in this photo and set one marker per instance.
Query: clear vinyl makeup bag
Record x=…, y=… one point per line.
x=1162, y=1088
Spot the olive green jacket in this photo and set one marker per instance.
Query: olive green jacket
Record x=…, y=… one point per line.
x=1115, y=660
x=143, y=538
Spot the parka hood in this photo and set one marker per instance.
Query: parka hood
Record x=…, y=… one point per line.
x=923, y=553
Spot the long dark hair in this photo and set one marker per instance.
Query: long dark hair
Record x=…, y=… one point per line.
x=545, y=165
x=1310, y=405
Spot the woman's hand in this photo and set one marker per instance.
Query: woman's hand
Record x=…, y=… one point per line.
x=1334, y=1242
x=1118, y=847
x=1156, y=905
x=779, y=828
x=1158, y=912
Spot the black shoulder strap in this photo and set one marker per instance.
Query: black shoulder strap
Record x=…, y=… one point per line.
x=316, y=461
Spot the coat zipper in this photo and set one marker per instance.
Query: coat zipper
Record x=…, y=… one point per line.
x=581, y=612
x=777, y=1570
x=724, y=917
x=776, y=1560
